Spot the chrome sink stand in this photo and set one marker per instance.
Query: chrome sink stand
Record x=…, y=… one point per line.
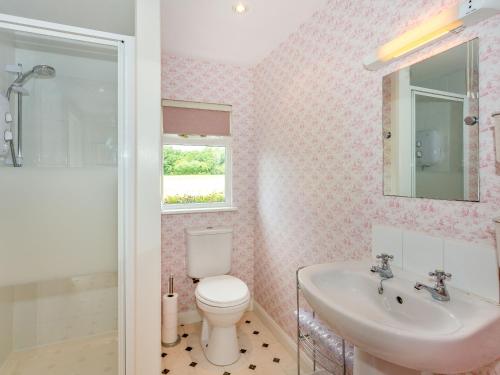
x=321, y=358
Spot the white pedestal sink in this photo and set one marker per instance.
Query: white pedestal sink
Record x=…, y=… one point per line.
x=403, y=331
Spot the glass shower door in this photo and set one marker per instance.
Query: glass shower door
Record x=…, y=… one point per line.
x=440, y=143
x=59, y=266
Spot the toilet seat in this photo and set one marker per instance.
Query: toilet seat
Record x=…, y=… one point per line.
x=222, y=291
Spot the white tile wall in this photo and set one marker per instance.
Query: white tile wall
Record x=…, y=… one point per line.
x=68, y=227
x=6, y=302
x=388, y=240
x=422, y=253
x=7, y=57
x=474, y=267
x=57, y=310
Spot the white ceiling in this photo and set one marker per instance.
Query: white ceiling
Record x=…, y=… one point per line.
x=115, y=16
x=210, y=30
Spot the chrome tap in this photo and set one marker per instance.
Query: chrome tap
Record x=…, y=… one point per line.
x=384, y=270
x=439, y=291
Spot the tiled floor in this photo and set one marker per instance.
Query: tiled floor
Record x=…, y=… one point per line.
x=94, y=355
x=262, y=353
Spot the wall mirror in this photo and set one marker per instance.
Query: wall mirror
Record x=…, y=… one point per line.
x=430, y=127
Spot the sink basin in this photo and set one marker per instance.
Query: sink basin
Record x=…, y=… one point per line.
x=403, y=326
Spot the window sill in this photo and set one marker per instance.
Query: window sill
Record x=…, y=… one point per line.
x=177, y=211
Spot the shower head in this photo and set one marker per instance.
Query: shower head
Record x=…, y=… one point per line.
x=38, y=71
x=44, y=71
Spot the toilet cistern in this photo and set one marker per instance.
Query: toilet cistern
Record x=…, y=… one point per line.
x=222, y=298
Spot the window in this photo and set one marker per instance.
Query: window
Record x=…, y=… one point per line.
x=196, y=156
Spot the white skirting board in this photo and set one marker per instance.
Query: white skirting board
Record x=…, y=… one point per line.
x=288, y=343
x=189, y=317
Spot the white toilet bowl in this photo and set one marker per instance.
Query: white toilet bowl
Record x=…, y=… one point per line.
x=222, y=300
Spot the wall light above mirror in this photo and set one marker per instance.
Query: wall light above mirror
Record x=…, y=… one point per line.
x=430, y=127
x=451, y=20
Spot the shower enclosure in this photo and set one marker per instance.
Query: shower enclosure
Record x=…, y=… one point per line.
x=65, y=189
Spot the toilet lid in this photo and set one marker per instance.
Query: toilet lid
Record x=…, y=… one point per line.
x=222, y=291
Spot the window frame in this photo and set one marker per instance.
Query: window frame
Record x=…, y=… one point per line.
x=210, y=141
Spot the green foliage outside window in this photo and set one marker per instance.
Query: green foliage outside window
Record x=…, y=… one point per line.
x=208, y=161
x=181, y=199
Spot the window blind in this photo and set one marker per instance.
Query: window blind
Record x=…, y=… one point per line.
x=190, y=118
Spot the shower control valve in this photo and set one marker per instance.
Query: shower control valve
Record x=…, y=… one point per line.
x=8, y=117
x=8, y=136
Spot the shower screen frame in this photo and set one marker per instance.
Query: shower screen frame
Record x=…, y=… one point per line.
x=125, y=46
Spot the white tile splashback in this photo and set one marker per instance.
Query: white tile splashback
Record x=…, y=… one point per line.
x=388, y=240
x=474, y=267
x=422, y=253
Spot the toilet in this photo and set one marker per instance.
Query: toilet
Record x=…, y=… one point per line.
x=222, y=298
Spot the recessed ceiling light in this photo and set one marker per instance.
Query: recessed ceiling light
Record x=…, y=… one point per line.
x=240, y=8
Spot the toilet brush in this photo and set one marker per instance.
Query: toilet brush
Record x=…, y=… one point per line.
x=171, y=284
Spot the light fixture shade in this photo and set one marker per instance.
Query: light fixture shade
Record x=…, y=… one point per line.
x=453, y=19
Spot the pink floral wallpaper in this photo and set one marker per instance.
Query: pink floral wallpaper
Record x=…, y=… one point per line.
x=187, y=79
x=318, y=126
x=308, y=150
